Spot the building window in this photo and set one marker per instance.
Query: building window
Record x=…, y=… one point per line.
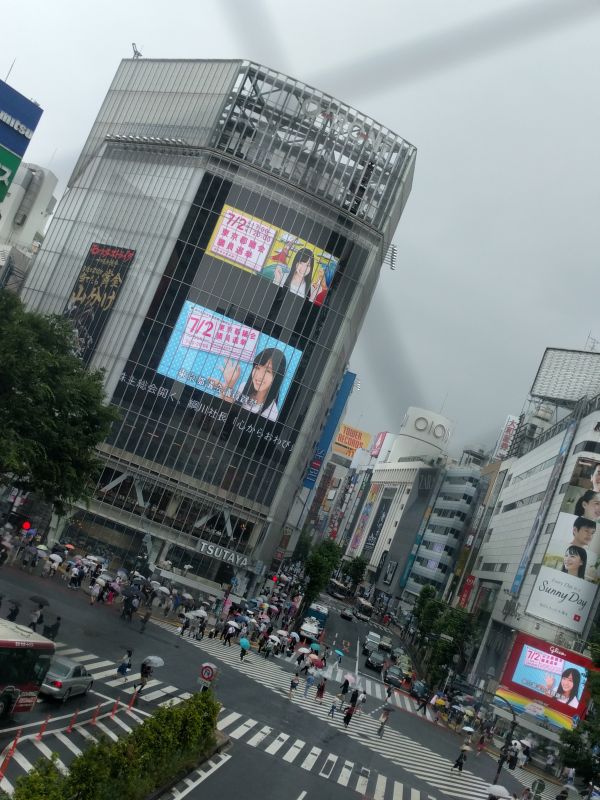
x=502, y=567
x=549, y=528
x=488, y=566
x=535, y=569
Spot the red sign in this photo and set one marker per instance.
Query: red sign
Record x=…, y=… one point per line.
x=207, y=671
x=466, y=590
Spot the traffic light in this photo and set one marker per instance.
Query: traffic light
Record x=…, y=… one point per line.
x=274, y=578
x=25, y=525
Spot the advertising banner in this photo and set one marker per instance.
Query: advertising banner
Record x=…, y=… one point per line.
x=257, y=246
x=18, y=120
x=540, y=517
x=567, y=582
x=505, y=439
x=333, y=419
x=378, y=444
x=229, y=360
x=349, y=440
x=465, y=592
x=546, y=681
x=365, y=513
x=95, y=292
x=377, y=527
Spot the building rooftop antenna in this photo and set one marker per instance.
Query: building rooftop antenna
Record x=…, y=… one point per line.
x=136, y=52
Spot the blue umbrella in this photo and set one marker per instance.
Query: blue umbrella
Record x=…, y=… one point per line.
x=316, y=647
x=244, y=644
x=339, y=653
x=242, y=618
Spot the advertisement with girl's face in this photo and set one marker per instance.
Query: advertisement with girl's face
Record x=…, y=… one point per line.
x=277, y=255
x=568, y=579
x=229, y=360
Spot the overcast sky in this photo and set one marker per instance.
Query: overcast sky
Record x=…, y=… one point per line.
x=499, y=244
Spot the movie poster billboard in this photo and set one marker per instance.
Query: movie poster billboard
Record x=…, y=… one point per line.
x=230, y=360
x=95, y=293
x=546, y=681
x=365, y=513
x=566, y=585
x=279, y=256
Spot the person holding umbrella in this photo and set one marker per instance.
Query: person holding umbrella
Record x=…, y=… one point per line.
x=460, y=760
x=344, y=688
x=244, y=647
x=383, y=719
x=321, y=691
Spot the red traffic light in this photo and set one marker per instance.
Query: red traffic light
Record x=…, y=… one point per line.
x=26, y=525
x=274, y=578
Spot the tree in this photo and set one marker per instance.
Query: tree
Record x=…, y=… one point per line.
x=452, y=628
x=303, y=546
x=355, y=569
x=426, y=595
x=52, y=409
x=318, y=567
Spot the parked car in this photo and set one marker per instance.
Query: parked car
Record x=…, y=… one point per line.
x=419, y=689
x=394, y=676
x=66, y=678
x=405, y=665
x=370, y=639
x=385, y=643
x=375, y=660
x=346, y=613
x=398, y=653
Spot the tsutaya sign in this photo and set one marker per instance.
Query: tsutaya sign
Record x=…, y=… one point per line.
x=223, y=554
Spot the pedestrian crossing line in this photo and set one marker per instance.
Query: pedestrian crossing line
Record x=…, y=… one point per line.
x=242, y=729
x=346, y=773
x=47, y=753
x=85, y=657
x=277, y=744
x=68, y=743
x=379, y=792
x=131, y=678
x=6, y=786
x=122, y=724
x=328, y=766
x=106, y=730
x=105, y=673
x=398, y=748
x=363, y=782
x=23, y=762
x=255, y=740
x=228, y=720
x=294, y=751
x=310, y=759
x=86, y=734
x=398, y=791
x=98, y=664
x=70, y=651
x=158, y=693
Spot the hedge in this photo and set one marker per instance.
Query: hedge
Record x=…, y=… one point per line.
x=167, y=744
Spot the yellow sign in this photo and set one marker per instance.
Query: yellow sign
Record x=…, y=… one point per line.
x=349, y=440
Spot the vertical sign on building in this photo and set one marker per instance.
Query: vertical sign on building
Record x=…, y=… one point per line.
x=540, y=517
x=95, y=292
x=18, y=120
x=333, y=419
x=505, y=439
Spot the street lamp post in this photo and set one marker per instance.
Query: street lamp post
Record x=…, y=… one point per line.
x=508, y=739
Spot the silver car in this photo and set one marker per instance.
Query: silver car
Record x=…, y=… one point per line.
x=66, y=678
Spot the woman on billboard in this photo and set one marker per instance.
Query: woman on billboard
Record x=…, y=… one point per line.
x=260, y=395
x=588, y=506
x=298, y=279
x=568, y=688
x=575, y=562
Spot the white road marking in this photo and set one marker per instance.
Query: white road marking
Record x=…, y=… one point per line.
x=215, y=763
x=310, y=759
x=47, y=753
x=258, y=737
x=101, y=726
x=398, y=793
x=293, y=752
x=228, y=720
x=380, y=785
x=68, y=743
x=84, y=657
x=242, y=729
x=277, y=744
x=346, y=773
x=328, y=766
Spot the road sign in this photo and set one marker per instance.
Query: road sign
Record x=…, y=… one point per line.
x=207, y=672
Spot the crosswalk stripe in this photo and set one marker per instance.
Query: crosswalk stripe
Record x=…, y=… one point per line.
x=362, y=783
x=131, y=678
x=47, y=753
x=228, y=720
x=293, y=752
x=380, y=785
x=22, y=761
x=377, y=691
x=70, y=745
x=83, y=658
x=106, y=730
x=277, y=744
x=97, y=665
x=414, y=794
x=70, y=651
x=346, y=773
x=6, y=786
x=258, y=737
x=122, y=724
x=310, y=759
x=105, y=673
x=242, y=729
x=86, y=734
x=328, y=766
x=398, y=792
x=164, y=690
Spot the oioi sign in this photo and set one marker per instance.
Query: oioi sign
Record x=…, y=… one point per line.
x=18, y=120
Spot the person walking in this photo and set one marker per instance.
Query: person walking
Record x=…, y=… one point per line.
x=310, y=679
x=383, y=720
x=201, y=629
x=145, y=675
x=147, y=616
x=348, y=715
x=321, y=691
x=51, y=631
x=185, y=624
x=125, y=664
x=388, y=692
x=423, y=704
x=36, y=618
x=293, y=685
x=344, y=688
x=480, y=745
x=460, y=760
x=354, y=697
x=332, y=710
x=94, y=593
x=362, y=699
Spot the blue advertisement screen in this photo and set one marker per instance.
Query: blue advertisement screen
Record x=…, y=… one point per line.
x=18, y=119
x=230, y=360
x=550, y=675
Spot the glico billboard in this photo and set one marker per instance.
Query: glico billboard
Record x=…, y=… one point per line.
x=18, y=120
x=545, y=681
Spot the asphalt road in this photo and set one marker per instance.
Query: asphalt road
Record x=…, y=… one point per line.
x=284, y=762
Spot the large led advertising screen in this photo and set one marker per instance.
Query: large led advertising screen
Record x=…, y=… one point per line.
x=567, y=582
x=546, y=681
x=275, y=254
x=229, y=360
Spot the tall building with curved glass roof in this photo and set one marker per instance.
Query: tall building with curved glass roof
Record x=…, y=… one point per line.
x=216, y=250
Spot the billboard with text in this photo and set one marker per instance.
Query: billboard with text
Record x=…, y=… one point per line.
x=18, y=120
x=349, y=440
x=277, y=255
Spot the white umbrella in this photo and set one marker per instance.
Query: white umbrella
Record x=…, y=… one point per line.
x=101, y=581
x=155, y=584
x=93, y=558
x=282, y=633
x=107, y=577
x=498, y=791
x=303, y=650
x=189, y=566
x=232, y=624
x=295, y=636
x=164, y=590
x=56, y=558
x=468, y=729
x=274, y=638
x=187, y=596
x=154, y=661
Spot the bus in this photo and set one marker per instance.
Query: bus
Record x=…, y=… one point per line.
x=363, y=609
x=24, y=661
x=337, y=589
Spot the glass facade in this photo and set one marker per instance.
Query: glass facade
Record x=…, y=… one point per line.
x=256, y=240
